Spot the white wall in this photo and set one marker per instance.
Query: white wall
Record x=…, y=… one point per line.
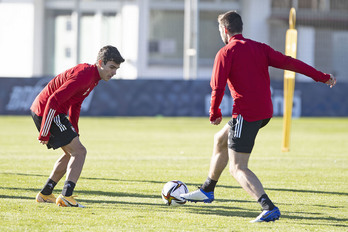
x=21, y=44
x=16, y=39
x=255, y=14
x=130, y=41
x=305, y=48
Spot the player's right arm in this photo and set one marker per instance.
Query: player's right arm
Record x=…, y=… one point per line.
x=221, y=69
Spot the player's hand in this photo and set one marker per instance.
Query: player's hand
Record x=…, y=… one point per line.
x=217, y=121
x=43, y=142
x=332, y=81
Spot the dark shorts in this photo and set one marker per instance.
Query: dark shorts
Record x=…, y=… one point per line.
x=242, y=134
x=62, y=132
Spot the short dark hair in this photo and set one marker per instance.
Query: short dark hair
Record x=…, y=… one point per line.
x=109, y=53
x=232, y=21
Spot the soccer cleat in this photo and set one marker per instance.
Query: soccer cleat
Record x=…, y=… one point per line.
x=45, y=198
x=268, y=215
x=198, y=196
x=67, y=202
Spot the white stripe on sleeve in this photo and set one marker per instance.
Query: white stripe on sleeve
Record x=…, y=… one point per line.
x=48, y=122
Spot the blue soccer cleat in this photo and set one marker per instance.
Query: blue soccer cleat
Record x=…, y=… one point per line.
x=198, y=196
x=268, y=215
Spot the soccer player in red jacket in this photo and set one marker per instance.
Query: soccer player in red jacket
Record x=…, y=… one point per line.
x=63, y=96
x=243, y=65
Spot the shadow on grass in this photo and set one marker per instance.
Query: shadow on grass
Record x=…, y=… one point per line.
x=221, y=186
x=87, y=192
x=16, y=197
x=199, y=208
x=20, y=189
x=331, y=224
x=21, y=174
x=195, y=209
x=221, y=210
x=294, y=190
x=323, y=218
x=307, y=191
x=113, y=202
x=251, y=214
x=115, y=194
x=197, y=184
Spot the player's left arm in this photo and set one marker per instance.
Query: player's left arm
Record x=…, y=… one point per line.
x=278, y=60
x=74, y=115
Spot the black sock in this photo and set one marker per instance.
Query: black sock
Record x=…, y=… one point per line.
x=265, y=202
x=209, y=185
x=68, y=188
x=48, y=188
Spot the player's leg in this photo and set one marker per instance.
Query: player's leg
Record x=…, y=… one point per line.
x=45, y=195
x=219, y=158
x=218, y=163
x=59, y=169
x=252, y=185
x=241, y=141
x=78, y=155
x=63, y=136
x=74, y=168
x=244, y=176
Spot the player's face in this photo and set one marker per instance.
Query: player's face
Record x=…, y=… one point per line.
x=223, y=34
x=108, y=70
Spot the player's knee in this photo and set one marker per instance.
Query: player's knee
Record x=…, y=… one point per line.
x=235, y=169
x=83, y=151
x=220, y=140
x=80, y=151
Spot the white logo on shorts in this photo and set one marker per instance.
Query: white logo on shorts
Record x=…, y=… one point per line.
x=238, y=127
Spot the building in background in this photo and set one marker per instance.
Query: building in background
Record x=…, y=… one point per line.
x=45, y=37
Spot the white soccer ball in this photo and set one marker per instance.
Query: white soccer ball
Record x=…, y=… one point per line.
x=171, y=193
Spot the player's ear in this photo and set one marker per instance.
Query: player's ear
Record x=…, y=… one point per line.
x=100, y=62
x=226, y=31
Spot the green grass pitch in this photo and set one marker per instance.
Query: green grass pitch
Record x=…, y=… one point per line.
x=130, y=159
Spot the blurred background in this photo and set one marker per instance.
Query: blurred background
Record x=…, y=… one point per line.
x=169, y=47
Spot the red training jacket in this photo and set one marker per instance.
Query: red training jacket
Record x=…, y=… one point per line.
x=64, y=94
x=243, y=64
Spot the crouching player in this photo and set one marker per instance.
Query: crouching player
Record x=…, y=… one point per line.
x=63, y=96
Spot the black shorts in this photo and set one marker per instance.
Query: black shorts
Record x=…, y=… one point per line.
x=242, y=134
x=62, y=132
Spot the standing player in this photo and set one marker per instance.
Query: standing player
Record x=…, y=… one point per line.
x=243, y=65
x=63, y=96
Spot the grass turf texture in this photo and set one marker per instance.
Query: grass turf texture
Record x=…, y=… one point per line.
x=130, y=159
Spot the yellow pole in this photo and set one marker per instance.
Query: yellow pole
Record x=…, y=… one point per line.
x=289, y=80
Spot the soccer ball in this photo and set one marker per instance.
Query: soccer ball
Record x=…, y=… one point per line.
x=171, y=193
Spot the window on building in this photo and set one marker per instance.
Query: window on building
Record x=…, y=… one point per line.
x=339, y=5
x=165, y=42
x=209, y=37
x=328, y=22
x=166, y=35
x=89, y=37
x=97, y=29
x=59, y=41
